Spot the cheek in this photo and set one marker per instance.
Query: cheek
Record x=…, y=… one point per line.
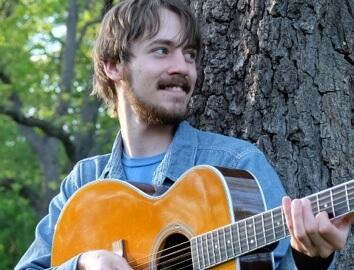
x=193, y=78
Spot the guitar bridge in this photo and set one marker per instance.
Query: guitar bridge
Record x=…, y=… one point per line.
x=118, y=247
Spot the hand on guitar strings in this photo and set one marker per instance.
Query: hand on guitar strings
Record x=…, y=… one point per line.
x=315, y=235
x=102, y=260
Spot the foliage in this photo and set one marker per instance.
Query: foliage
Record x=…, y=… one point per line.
x=33, y=35
x=17, y=222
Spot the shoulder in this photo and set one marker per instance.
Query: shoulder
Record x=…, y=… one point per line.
x=228, y=145
x=215, y=149
x=85, y=171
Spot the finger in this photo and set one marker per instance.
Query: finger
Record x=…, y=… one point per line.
x=334, y=233
x=320, y=247
x=349, y=218
x=286, y=202
x=300, y=233
x=123, y=264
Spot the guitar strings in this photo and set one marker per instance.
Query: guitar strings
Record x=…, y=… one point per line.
x=242, y=235
x=178, y=258
x=267, y=229
x=163, y=250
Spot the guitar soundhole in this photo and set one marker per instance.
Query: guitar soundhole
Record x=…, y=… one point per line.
x=175, y=253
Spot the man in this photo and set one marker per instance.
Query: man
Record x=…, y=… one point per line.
x=145, y=69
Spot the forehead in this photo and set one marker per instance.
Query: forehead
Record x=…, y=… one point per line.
x=170, y=29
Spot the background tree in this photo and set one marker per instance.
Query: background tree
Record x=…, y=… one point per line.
x=281, y=75
x=276, y=73
x=48, y=120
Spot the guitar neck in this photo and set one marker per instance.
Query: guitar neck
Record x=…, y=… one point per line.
x=231, y=241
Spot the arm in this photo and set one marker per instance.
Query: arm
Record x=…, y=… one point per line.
x=102, y=259
x=38, y=254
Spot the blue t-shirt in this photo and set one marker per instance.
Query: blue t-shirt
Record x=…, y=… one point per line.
x=140, y=170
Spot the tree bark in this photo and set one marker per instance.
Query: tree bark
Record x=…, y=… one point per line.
x=281, y=75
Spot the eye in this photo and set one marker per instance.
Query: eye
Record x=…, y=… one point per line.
x=190, y=55
x=161, y=51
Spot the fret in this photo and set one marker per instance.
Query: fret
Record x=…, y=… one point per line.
x=347, y=197
x=243, y=244
x=340, y=205
x=351, y=195
x=219, y=246
x=324, y=201
x=263, y=228
x=259, y=230
x=250, y=234
x=224, y=243
x=246, y=234
x=230, y=242
x=201, y=257
x=212, y=256
x=278, y=224
x=236, y=239
x=239, y=235
x=254, y=231
x=272, y=221
x=195, y=253
x=268, y=225
x=284, y=222
x=331, y=201
x=318, y=205
x=207, y=237
x=204, y=250
x=216, y=247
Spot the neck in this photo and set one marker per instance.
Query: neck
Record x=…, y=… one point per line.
x=140, y=139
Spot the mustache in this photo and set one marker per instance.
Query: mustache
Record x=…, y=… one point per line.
x=175, y=81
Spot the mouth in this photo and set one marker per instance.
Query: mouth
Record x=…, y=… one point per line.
x=174, y=84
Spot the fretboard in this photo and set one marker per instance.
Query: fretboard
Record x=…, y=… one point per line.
x=231, y=241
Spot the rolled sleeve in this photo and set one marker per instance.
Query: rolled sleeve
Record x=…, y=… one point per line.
x=38, y=255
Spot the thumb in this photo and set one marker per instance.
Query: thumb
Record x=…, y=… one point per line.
x=350, y=218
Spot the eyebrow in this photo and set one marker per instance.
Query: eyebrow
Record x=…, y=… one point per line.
x=161, y=41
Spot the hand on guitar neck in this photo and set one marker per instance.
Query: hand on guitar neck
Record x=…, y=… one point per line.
x=102, y=259
x=315, y=236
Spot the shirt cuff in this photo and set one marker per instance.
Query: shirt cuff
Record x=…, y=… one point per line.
x=303, y=261
x=69, y=265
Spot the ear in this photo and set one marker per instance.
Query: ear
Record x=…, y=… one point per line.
x=113, y=71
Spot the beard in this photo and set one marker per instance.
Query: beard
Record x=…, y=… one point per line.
x=152, y=114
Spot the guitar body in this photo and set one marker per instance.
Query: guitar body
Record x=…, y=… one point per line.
x=104, y=212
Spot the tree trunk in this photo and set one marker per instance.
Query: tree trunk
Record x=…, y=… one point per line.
x=47, y=150
x=280, y=74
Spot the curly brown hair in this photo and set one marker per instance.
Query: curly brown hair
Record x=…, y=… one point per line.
x=125, y=23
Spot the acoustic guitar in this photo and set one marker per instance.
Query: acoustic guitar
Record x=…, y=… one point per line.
x=209, y=218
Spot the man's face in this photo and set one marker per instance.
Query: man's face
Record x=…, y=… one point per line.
x=160, y=78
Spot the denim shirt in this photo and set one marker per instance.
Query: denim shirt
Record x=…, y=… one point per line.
x=189, y=147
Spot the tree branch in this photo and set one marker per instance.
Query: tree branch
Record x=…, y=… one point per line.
x=84, y=30
x=45, y=126
x=25, y=191
x=4, y=78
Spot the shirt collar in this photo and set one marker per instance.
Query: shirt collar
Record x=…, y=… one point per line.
x=181, y=154
x=114, y=168
x=179, y=157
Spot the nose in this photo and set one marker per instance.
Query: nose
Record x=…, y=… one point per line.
x=179, y=65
